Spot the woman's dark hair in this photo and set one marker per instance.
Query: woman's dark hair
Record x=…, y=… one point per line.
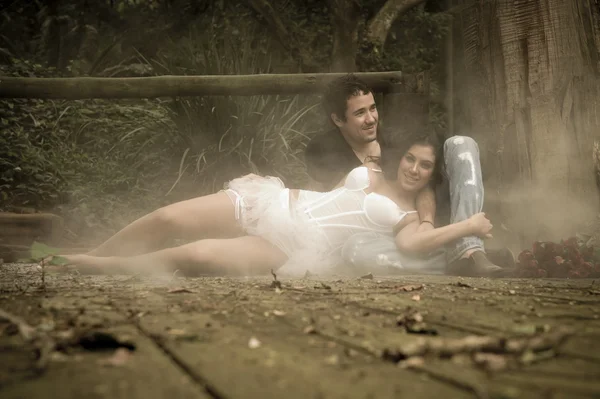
x=395, y=143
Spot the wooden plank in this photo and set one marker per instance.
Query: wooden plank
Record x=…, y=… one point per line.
x=340, y=321
x=214, y=343
x=147, y=372
x=206, y=331
x=180, y=86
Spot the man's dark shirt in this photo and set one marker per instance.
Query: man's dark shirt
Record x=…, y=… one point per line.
x=329, y=158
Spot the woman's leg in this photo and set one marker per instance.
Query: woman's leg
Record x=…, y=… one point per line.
x=208, y=216
x=242, y=255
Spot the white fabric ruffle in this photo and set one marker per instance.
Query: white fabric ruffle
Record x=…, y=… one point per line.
x=264, y=210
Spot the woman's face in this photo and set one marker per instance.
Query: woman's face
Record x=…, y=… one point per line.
x=416, y=167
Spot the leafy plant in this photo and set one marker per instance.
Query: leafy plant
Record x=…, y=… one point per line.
x=227, y=136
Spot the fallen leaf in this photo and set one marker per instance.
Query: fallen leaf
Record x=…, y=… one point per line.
x=180, y=290
x=58, y=357
x=177, y=332
x=310, y=330
x=332, y=360
x=119, y=358
x=276, y=284
x=324, y=286
x=530, y=357
x=463, y=285
x=98, y=340
x=412, y=363
x=490, y=361
x=254, y=343
x=420, y=328
x=409, y=288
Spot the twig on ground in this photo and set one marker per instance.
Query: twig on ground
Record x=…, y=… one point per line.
x=43, y=343
x=441, y=347
x=27, y=332
x=275, y=283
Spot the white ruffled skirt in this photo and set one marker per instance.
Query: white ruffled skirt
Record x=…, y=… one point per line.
x=263, y=208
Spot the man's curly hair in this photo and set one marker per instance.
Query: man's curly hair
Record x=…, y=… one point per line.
x=338, y=92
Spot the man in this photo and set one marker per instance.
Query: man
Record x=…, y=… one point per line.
x=350, y=105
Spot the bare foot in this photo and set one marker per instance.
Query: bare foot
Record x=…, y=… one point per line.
x=88, y=264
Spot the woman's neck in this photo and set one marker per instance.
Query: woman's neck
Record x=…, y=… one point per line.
x=405, y=199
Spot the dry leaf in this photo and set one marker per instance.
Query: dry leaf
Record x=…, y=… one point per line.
x=490, y=361
x=254, y=343
x=409, y=288
x=310, y=330
x=332, y=360
x=412, y=363
x=180, y=290
x=177, y=331
x=119, y=358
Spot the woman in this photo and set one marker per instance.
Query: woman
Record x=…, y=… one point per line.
x=256, y=224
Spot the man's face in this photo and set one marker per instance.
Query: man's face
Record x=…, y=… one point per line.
x=360, y=126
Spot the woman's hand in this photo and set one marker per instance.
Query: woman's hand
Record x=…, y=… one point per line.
x=480, y=225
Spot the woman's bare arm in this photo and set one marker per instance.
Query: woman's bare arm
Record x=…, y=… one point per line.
x=412, y=240
x=426, y=205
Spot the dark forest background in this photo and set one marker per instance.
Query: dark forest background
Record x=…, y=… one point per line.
x=521, y=77
x=100, y=163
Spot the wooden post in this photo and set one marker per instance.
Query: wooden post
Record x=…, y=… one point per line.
x=407, y=102
x=177, y=86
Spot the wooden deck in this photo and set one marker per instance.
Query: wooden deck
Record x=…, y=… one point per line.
x=385, y=337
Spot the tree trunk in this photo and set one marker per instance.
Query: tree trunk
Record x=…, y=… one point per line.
x=527, y=89
x=379, y=26
x=54, y=36
x=344, y=22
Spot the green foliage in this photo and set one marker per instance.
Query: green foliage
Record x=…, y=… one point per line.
x=102, y=163
x=39, y=251
x=228, y=136
x=84, y=159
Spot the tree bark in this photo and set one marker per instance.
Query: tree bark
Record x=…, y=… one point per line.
x=527, y=90
x=53, y=38
x=280, y=31
x=344, y=20
x=379, y=26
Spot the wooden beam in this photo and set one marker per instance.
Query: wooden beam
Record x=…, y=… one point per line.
x=180, y=86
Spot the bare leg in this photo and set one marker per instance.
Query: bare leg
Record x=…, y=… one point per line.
x=209, y=216
x=243, y=255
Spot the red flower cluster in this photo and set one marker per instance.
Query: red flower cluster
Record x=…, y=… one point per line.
x=558, y=260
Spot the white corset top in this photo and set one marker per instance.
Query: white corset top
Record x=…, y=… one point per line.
x=349, y=209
